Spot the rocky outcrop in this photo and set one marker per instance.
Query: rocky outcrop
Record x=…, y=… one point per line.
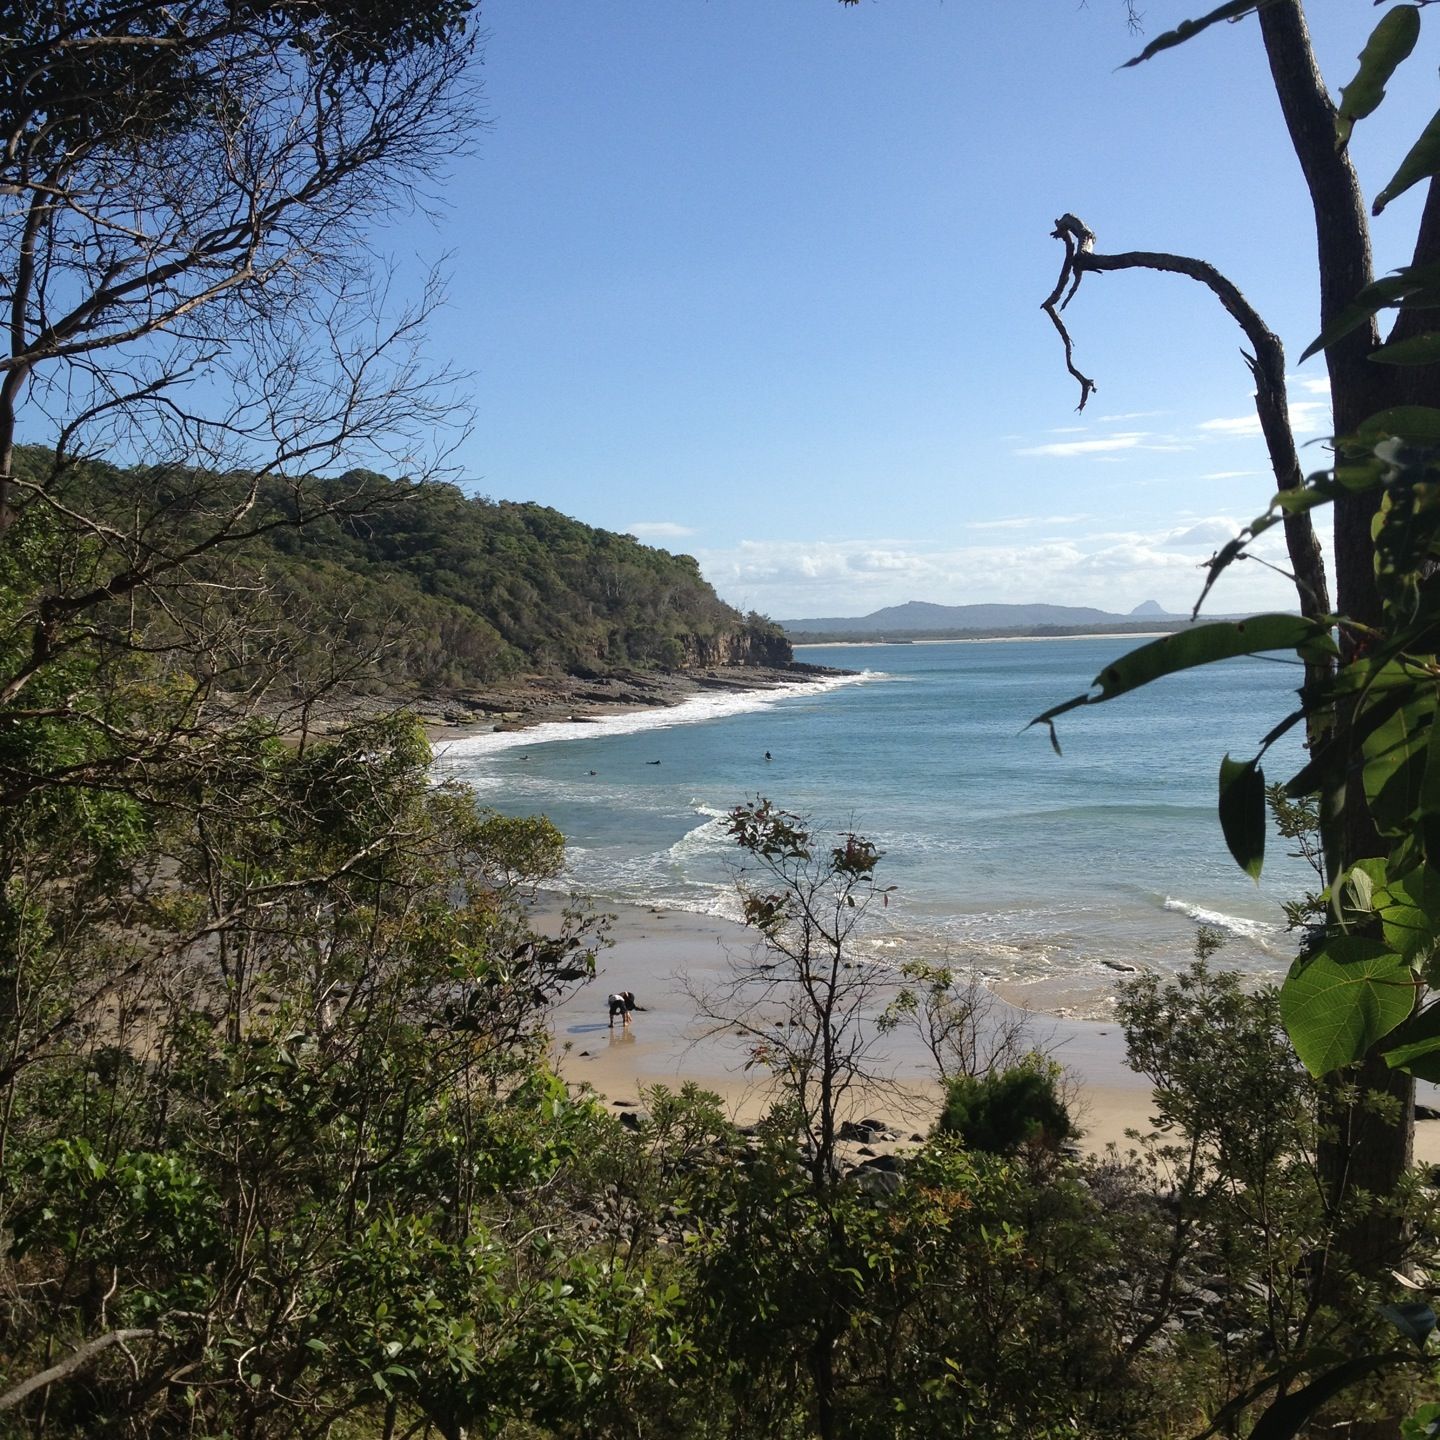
x=755, y=644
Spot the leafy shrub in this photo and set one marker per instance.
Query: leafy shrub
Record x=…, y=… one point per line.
x=1005, y=1110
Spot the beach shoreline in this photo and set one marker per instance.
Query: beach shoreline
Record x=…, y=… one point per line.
x=534, y=700
x=670, y=957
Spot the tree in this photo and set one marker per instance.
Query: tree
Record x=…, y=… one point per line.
x=187, y=283
x=964, y=1026
x=806, y=1004
x=307, y=1125
x=1235, y=1145
x=1019, y=1107
x=1365, y=980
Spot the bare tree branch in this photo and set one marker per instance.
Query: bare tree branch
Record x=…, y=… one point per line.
x=1265, y=359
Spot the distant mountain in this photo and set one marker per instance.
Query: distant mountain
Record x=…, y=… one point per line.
x=1152, y=610
x=919, y=616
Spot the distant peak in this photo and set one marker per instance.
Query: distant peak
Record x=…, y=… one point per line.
x=1149, y=607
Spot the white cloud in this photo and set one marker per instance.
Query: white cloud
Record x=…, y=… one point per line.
x=658, y=530
x=1026, y=522
x=1232, y=425
x=1231, y=474
x=1311, y=384
x=1305, y=415
x=1310, y=415
x=1207, y=534
x=1064, y=448
x=1113, y=570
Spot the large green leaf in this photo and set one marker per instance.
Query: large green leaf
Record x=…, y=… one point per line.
x=1409, y=910
x=1242, y=813
x=1285, y=1418
x=1188, y=29
x=1414, y=1319
x=1419, y=424
x=1421, y=163
x=1417, y=350
x=1340, y=1003
x=1416, y=1046
x=1395, y=754
x=1201, y=645
x=1390, y=42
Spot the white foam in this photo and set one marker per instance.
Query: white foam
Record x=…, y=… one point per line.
x=701, y=808
x=711, y=837
x=694, y=710
x=1257, y=930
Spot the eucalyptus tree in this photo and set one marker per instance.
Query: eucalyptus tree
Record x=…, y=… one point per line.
x=187, y=195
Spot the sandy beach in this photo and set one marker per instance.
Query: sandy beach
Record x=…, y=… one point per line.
x=666, y=956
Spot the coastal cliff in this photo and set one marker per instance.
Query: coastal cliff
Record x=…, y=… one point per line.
x=755, y=643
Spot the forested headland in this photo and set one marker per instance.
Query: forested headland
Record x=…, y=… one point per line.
x=415, y=585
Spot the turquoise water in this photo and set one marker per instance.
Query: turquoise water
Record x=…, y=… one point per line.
x=1035, y=867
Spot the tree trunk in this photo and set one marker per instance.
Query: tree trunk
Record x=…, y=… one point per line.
x=1367, y=1151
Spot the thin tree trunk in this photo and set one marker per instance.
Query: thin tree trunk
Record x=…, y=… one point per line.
x=1366, y=1151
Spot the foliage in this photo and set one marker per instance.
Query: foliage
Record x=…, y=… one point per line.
x=983, y=1297
x=964, y=1026
x=1007, y=1110
x=305, y=1130
x=419, y=585
x=1254, y=1223
x=804, y=1000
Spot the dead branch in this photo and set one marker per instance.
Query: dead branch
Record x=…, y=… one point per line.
x=1265, y=359
x=78, y=1360
x=1078, y=241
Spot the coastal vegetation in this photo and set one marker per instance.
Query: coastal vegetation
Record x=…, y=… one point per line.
x=282, y=1152
x=405, y=585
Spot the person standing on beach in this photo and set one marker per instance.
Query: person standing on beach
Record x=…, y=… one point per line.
x=621, y=1002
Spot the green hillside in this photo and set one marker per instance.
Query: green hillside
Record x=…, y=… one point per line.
x=444, y=589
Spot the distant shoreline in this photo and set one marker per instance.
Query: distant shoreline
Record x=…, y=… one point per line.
x=983, y=639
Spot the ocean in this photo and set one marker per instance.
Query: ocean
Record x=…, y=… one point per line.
x=1041, y=870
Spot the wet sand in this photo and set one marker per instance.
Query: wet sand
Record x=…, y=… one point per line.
x=668, y=957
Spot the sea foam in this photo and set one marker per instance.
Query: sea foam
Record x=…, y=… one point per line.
x=694, y=710
x=1257, y=930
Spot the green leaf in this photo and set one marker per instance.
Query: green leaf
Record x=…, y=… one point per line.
x=1410, y=912
x=1242, y=813
x=1390, y=42
x=1338, y=1004
x=1417, y=1045
x=1422, y=162
x=1412, y=1318
x=1417, y=350
x=1419, y=424
x=1413, y=284
x=1395, y=754
x=1188, y=29
x=1424, y=1424
x=1201, y=645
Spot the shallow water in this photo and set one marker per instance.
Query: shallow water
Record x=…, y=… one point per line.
x=1040, y=869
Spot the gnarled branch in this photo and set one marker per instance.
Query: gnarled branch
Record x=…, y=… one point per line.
x=1265, y=359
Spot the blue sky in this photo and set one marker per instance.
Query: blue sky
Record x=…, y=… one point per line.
x=759, y=280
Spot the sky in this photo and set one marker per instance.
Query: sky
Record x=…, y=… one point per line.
x=759, y=280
